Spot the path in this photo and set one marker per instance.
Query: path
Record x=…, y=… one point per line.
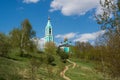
x=74, y=64
x=62, y=74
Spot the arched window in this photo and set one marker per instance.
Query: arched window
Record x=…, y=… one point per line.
x=50, y=30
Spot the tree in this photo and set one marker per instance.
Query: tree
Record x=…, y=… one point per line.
x=50, y=48
x=15, y=36
x=50, y=53
x=82, y=50
x=110, y=18
x=5, y=45
x=26, y=35
x=50, y=59
x=21, y=38
x=110, y=22
x=64, y=56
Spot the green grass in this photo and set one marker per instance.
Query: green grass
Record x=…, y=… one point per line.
x=83, y=71
x=8, y=69
x=19, y=68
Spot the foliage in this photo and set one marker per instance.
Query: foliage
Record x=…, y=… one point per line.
x=24, y=60
x=109, y=52
x=15, y=37
x=50, y=48
x=50, y=59
x=110, y=18
x=26, y=35
x=83, y=50
x=5, y=45
x=64, y=56
x=21, y=38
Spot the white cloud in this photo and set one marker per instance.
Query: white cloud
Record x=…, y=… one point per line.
x=39, y=42
x=89, y=36
x=86, y=37
x=77, y=7
x=68, y=35
x=30, y=1
x=74, y=7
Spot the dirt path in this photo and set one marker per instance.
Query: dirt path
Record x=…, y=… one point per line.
x=73, y=63
x=62, y=74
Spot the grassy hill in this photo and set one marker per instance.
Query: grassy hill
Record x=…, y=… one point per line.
x=20, y=68
x=83, y=71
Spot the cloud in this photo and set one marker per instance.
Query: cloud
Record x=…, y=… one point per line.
x=74, y=7
x=81, y=37
x=77, y=7
x=39, y=42
x=89, y=36
x=68, y=35
x=30, y=1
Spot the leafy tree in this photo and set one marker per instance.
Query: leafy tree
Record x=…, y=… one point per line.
x=15, y=37
x=5, y=45
x=82, y=50
x=50, y=59
x=110, y=22
x=110, y=18
x=50, y=48
x=64, y=56
x=21, y=38
x=50, y=53
x=76, y=51
x=26, y=35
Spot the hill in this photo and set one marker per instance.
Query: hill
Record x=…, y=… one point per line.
x=23, y=69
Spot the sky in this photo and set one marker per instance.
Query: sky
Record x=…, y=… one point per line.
x=72, y=19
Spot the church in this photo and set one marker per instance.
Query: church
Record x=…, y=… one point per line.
x=48, y=32
x=50, y=38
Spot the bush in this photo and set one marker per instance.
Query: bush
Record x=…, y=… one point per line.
x=50, y=59
x=64, y=56
x=4, y=45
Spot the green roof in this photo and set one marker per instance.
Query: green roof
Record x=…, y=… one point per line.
x=48, y=24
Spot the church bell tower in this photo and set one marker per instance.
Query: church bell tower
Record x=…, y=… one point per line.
x=48, y=32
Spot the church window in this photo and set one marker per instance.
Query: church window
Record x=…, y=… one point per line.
x=50, y=31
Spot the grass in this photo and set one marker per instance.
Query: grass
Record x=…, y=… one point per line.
x=83, y=71
x=20, y=68
x=8, y=69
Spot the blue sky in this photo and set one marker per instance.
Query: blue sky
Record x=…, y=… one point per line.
x=70, y=18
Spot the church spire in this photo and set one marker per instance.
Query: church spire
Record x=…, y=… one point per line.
x=49, y=23
x=48, y=32
x=48, y=17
